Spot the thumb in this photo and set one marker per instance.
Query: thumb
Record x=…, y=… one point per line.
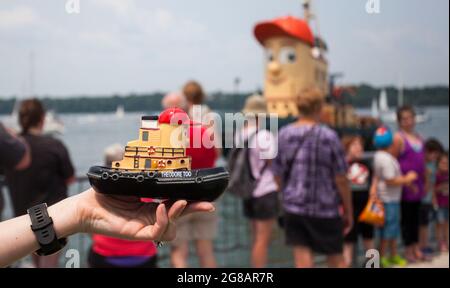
x=156, y=231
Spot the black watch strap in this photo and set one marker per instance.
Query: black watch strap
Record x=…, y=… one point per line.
x=42, y=226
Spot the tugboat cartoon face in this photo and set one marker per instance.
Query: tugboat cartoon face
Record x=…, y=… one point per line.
x=291, y=66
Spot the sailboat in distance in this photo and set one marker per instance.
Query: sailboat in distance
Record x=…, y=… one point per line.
x=380, y=109
x=52, y=123
x=120, y=112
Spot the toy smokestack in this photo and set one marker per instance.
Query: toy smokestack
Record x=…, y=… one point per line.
x=149, y=122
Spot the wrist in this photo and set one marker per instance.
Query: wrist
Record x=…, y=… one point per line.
x=65, y=217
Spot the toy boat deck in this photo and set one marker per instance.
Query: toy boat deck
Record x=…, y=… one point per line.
x=191, y=185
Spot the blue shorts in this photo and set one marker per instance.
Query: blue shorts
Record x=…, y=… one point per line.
x=391, y=228
x=442, y=215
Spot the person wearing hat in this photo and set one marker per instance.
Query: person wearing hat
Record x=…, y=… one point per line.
x=389, y=180
x=293, y=63
x=262, y=207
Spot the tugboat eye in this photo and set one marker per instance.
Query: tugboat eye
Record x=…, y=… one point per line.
x=270, y=55
x=288, y=55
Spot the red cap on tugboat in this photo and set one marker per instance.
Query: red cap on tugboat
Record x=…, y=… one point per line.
x=286, y=26
x=174, y=116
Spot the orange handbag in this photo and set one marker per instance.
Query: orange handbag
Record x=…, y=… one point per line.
x=373, y=214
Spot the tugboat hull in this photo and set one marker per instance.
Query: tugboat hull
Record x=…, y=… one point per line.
x=192, y=185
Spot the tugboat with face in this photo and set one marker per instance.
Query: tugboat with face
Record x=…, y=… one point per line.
x=296, y=62
x=156, y=165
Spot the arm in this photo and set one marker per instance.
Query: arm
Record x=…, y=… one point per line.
x=373, y=187
x=14, y=152
x=405, y=180
x=428, y=185
x=278, y=182
x=346, y=196
x=434, y=201
x=89, y=212
x=65, y=164
x=26, y=159
x=398, y=145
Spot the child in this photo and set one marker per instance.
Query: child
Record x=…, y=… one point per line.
x=389, y=181
x=360, y=178
x=441, y=199
x=433, y=150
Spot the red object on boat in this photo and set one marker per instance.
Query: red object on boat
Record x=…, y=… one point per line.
x=175, y=116
x=286, y=26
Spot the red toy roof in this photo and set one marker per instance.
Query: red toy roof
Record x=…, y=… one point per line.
x=285, y=26
x=175, y=116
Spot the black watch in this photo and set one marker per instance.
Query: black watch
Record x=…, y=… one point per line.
x=42, y=226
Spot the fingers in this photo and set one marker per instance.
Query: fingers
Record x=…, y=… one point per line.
x=156, y=231
x=176, y=210
x=347, y=230
x=198, y=207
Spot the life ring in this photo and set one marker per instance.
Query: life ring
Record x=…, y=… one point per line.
x=151, y=150
x=161, y=164
x=115, y=177
x=105, y=175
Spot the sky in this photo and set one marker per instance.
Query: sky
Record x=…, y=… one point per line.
x=139, y=46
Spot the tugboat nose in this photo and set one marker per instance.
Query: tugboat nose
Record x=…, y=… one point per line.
x=275, y=68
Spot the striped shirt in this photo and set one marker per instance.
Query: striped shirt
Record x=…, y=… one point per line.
x=309, y=187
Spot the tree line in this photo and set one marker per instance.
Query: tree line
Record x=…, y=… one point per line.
x=361, y=98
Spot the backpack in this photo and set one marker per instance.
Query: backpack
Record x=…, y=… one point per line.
x=242, y=183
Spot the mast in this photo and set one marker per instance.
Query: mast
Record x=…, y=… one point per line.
x=401, y=95
x=309, y=16
x=307, y=10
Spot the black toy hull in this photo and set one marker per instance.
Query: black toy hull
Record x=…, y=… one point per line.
x=194, y=185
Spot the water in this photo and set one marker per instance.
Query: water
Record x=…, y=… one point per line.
x=87, y=135
x=436, y=127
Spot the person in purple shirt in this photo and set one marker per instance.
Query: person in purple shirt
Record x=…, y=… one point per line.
x=410, y=150
x=311, y=173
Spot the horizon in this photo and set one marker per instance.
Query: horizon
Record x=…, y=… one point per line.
x=209, y=93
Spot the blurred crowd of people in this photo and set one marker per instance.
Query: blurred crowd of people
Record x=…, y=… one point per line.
x=315, y=186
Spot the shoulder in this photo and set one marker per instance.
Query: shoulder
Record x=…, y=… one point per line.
x=329, y=135
x=52, y=143
x=328, y=132
x=287, y=131
x=379, y=157
x=399, y=138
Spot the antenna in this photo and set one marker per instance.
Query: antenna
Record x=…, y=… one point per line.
x=307, y=10
x=401, y=94
x=309, y=16
x=31, y=83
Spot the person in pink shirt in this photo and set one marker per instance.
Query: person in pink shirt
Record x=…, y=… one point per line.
x=109, y=252
x=441, y=201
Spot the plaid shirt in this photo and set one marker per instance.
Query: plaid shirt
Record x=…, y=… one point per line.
x=311, y=189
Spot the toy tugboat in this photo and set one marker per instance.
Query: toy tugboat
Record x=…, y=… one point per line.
x=156, y=165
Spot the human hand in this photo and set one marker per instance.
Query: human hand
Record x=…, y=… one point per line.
x=121, y=217
x=348, y=222
x=411, y=177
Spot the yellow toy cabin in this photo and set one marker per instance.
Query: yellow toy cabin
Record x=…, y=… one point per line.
x=161, y=145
